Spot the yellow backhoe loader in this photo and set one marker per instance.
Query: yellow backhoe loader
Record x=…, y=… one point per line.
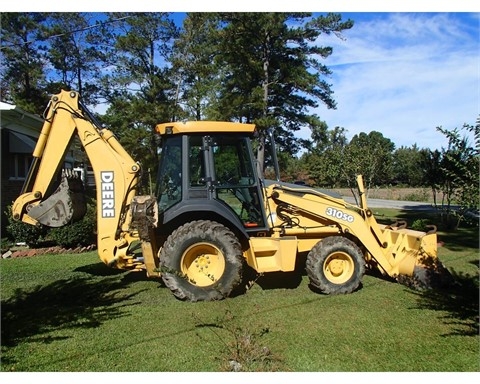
x=212, y=215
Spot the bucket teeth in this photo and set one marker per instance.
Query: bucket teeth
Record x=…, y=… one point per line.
x=433, y=275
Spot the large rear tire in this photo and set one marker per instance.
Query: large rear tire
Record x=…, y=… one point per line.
x=335, y=265
x=201, y=261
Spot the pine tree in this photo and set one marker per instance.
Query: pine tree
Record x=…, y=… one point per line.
x=274, y=75
x=22, y=55
x=73, y=54
x=139, y=87
x=195, y=71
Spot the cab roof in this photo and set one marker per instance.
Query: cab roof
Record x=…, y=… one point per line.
x=180, y=127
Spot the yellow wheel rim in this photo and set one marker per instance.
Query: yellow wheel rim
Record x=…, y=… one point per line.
x=338, y=267
x=203, y=264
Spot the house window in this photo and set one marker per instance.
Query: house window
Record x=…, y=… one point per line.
x=18, y=165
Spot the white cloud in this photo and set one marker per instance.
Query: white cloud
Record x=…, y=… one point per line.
x=405, y=74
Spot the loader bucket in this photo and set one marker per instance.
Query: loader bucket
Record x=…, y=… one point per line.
x=428, y=273
x=67, y=204
x=420, y=267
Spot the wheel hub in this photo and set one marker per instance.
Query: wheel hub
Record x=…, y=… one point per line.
x=202, y=261
x=203, y=264
x=338, y=267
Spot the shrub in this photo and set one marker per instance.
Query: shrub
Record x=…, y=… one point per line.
x=78, y=234
x=19, y=231
x=5, y=244
x=242, y=350
x=420, y=224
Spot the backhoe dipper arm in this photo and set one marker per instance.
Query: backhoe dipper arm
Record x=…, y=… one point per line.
x=116, y=177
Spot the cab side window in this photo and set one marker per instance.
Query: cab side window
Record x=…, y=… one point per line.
x=196, y=163
x=169, y=185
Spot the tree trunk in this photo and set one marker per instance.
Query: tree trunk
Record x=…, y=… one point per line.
x=261, y=154
x=265, y=84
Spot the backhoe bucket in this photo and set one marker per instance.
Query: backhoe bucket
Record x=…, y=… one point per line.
x=67, y=204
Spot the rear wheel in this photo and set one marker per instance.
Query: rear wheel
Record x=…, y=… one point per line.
x=335, y=265
x=201, y=261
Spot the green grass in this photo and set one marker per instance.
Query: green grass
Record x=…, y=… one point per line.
x=71, y=313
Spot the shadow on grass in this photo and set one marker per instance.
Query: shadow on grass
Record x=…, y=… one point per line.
x=101, y=270
x=33, y=315
x=280, y=280
x=460, y=239
x=460, y=302
x=283, y=280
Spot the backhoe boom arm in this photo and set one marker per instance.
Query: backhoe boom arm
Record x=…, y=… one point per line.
x=116, y=178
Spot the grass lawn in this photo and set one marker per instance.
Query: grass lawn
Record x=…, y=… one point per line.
x=71, y=313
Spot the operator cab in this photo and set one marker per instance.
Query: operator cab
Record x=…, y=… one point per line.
x=209, y=167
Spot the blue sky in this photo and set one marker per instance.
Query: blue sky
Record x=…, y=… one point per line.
x=404, y=74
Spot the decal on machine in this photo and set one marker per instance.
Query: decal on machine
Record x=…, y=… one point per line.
x=108, y=194
x=339, y=214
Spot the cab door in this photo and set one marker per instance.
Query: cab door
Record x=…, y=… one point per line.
x=235, y=180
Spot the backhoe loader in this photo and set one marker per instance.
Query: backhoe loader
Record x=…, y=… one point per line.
x=213, y=215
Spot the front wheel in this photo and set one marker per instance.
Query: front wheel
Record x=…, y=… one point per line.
x=335, y=265
x=201, y=261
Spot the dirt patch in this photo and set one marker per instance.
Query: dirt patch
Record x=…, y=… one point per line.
x=55, y=250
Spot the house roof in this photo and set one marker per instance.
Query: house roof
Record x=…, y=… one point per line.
x=16, y=119
x=6, y=106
